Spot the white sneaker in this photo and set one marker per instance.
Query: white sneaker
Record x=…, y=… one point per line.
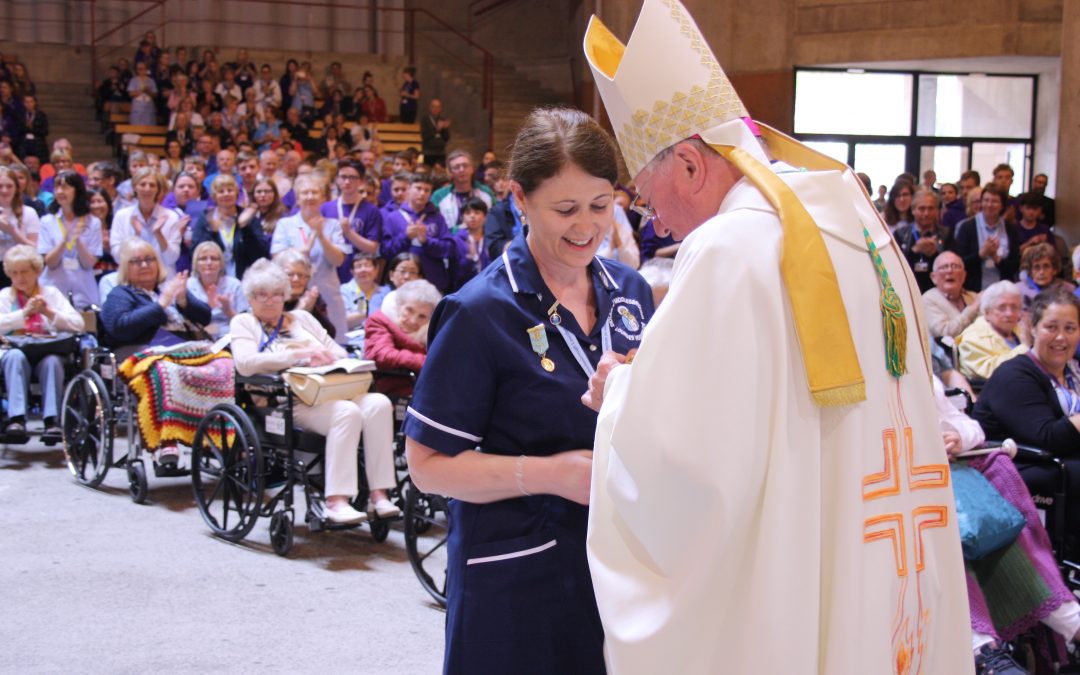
x=344, y=515
x=384, y=508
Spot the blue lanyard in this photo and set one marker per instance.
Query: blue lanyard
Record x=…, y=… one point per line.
x=579, y=352
x=273, y=336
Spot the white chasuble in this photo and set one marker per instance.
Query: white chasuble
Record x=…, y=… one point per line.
x=737, y=527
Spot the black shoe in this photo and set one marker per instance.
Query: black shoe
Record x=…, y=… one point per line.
x=52, y=430
x=996, y=660
x=16, y=426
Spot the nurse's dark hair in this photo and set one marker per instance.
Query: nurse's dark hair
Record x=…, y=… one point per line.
x=551, y=138
x=1052, y=296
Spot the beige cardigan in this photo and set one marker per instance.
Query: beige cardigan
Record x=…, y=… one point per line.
x=246, y=334
x=67, y=317
x=944, y=318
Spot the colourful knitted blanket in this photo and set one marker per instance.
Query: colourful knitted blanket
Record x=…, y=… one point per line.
x=175, y=389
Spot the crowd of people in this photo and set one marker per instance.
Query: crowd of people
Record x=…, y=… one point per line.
x=249, y=226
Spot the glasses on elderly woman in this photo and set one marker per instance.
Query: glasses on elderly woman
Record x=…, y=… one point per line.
x=263, y=296
x=142, y=262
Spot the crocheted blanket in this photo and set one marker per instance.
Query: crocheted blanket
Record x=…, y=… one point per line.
x=175, y=388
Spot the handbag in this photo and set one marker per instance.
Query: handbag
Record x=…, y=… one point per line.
x=315, y=388
x=35, y=347
x=987, y=520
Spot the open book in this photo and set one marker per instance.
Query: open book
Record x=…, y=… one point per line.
x=339, y=366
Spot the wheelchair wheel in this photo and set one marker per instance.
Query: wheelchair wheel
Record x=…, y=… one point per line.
x=137, y=482
x=88, y=439
x=227, y=472
x=281, y=532
x=427, y=549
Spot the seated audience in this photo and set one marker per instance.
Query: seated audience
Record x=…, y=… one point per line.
x=898, y=207
x=923, y=240
x=992, y=339
x=271, y=339
x=19, y=224
x=987, y=243
x=1040, y=267
x=405, y=267
x=950, y=308
x=1030, y=226
x=220, y=291
x=472, y=256
x=264, y=211
x=658, y=273
x=418, y=228
x=70, y=240
x=362, y=294
x=101, y=208
x=29, y=307
x=1019, y=586
x=146, y=310
x=388, y=338
x=148, y=220
x=302, y=293
x=241, y=243
x=1035, y=398
x=320, y=240
x=360, y=220
x=619, y=243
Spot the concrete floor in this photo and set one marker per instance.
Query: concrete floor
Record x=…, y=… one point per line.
x=92, y=583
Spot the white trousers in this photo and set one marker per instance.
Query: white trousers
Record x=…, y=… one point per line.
x=343, y=423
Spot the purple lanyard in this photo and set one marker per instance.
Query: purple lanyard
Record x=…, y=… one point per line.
x=273, y=336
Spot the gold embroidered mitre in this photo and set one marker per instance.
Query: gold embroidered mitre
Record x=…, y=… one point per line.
x=665, y=85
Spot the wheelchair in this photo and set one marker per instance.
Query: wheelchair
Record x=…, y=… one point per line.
x=426, y=516
x=97, y=404
x=244, y=450
x=72, y=362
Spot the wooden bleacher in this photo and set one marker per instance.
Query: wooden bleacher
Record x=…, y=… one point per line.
x=394, y=136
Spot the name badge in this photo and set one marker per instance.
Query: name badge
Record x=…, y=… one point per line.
x=922, y=266
x=275, y=424
x=71, y=264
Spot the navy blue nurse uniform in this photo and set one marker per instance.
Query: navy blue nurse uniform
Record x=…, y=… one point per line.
x=520, y=598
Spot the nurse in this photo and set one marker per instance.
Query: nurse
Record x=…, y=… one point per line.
x=496, y=421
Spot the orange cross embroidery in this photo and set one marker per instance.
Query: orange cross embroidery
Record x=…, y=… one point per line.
x=888, y=483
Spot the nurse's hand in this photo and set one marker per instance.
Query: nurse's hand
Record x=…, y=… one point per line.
x=572, y=475
x=594, y=397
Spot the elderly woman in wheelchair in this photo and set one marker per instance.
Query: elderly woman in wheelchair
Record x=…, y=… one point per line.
x=177, y=381
x=269, y=340
x=28, y=308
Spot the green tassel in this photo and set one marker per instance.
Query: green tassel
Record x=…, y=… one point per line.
x=892, y=315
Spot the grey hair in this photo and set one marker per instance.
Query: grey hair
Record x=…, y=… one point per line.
x=657, y=272
x=418, y=290
x=266, y=276
x=291, y=256
x=128, y=250
x=21, y=254
x=995, y=292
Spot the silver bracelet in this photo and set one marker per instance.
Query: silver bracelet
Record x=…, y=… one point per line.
x=519, y=475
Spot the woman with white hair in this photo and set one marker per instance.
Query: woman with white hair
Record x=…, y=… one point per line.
x=27, y=306
x=993, y=338
x=19, y=224
x=319, y=239
x=269, y=340
x=389, y=341
x=221, y=292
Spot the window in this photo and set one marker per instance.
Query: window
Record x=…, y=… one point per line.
x=884, y=123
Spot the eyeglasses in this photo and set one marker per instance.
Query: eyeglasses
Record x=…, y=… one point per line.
x=644, y=210
x=142, y=262
x=267, y=297
x=347, y=178
x=299, y=275
x=948, y=267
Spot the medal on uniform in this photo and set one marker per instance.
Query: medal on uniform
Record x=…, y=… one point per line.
x=538, y=339
x=553, y=314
